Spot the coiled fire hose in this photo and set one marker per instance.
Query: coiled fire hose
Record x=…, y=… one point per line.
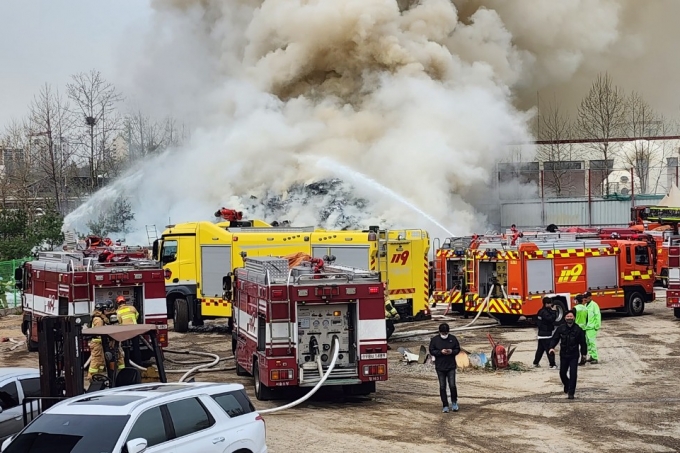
x=336, y=347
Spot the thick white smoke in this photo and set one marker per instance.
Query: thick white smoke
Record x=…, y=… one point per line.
x=418, y=101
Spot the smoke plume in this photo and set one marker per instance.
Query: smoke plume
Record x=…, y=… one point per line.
x=422, y=101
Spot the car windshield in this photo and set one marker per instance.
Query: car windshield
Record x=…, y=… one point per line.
x=58, y=433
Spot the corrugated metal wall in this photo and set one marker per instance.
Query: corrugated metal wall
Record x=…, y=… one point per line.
x=567, y=212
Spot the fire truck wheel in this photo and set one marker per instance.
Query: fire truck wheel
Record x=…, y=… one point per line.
x=676, y=312
x=240, y=371
x=664, y=278
x=635, y=305
x=181, y=316
x=560, y=309
x=508, y=320
x=31, y=346
x=262, y=392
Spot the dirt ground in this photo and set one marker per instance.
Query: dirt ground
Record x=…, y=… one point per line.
x=627, y=402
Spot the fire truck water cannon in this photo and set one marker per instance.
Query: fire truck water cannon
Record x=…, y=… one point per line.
x=230, y=215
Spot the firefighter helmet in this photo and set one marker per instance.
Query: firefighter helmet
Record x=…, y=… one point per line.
x=103, y=306
x=120, y=300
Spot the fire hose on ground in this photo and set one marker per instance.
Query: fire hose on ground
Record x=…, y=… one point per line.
x=336, y=347
x=468, y=326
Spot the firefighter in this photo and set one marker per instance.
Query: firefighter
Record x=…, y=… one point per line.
x=127, y=314
x=581, y=312
x=593, y=324
x=391, y=314
x=97, y=360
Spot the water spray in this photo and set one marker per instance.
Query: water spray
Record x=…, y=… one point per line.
x=351, y=175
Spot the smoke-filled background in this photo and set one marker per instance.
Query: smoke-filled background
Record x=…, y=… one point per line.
x=356, y=112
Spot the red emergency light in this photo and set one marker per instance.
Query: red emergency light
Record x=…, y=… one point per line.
x=373, y=289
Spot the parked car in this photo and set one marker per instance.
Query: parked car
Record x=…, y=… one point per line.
x=15, y=385
x=149, y=418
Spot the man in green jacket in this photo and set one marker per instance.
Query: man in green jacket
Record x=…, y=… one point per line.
x=581, y=312
x=593, y=324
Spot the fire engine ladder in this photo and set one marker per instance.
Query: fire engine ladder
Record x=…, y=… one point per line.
x=80, y=285
x=151, y=234
x=287, y=320
x=469, y=274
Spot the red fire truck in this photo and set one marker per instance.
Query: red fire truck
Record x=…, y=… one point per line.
x=515, y=278
x=673, y=291
x=287, y=321
x=70, y=283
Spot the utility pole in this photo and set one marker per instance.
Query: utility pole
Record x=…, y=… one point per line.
x=92, y=121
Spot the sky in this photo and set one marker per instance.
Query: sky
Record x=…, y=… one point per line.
x=46, y=41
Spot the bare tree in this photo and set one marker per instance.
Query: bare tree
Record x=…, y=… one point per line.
x=50, y=128
x=95, y=102
x=146, y=136
x=18, y=186
x=175, y=134
x=601, y=116
x=562, y=173
x=642, y=155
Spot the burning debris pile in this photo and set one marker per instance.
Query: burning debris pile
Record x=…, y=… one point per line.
x=337, y=207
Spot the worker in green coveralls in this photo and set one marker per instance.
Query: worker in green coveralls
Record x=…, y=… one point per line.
x=581, y=312
x=593, y=324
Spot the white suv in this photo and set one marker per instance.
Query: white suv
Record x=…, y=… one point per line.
x=150, y=418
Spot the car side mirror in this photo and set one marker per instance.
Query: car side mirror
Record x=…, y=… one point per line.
x=136, y=445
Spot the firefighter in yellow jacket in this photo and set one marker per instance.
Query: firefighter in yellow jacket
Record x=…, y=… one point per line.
x=127, y=314
x=391, y=314
x=97, y=359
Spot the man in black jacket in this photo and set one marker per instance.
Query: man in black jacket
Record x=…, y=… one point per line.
x=444, y=348
x=545, y=321
x=570, y=337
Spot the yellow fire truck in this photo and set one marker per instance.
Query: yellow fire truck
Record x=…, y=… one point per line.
x=198, y=259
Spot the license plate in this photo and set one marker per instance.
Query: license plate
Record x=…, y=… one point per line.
x=161, y=327
x=381, y=355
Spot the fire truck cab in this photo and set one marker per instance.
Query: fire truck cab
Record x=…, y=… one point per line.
x=287, y=322
x=515, y=278
x=70, y=283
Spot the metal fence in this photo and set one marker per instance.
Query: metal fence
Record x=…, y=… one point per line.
x=10, y=297
x=537, y=194
x=534, y=180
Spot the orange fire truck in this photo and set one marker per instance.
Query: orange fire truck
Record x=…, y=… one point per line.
x=292, y=324
x=510, y=281
x=673, y=291
x=70, y=283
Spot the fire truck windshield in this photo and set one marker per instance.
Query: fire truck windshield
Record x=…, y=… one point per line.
x=168, y=251
x=642, y=255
